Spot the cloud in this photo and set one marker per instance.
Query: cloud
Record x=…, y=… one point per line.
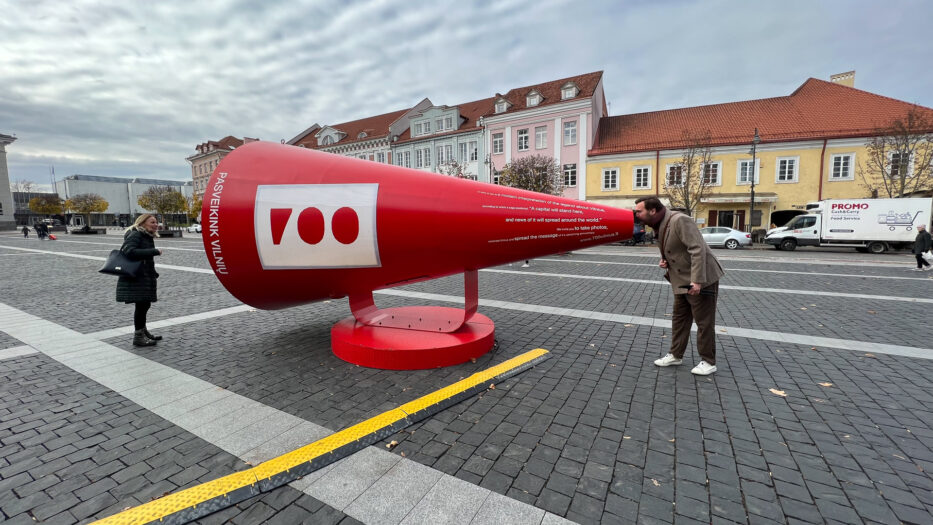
x=115, y=88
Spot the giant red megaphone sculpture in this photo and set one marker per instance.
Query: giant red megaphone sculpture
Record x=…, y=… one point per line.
x=284, y=226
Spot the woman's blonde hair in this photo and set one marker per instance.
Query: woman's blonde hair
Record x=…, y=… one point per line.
x=140, y=221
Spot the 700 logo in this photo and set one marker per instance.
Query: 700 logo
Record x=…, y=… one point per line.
x=316, y=226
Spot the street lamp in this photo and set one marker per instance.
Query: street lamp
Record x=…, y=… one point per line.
x=751, y=215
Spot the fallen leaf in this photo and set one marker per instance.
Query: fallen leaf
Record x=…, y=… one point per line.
x=627, y=325
x=777, y=392
x=803, y=307
x=826, y=384
x=656, y=484
x=671, y=440
x=872, y=312
x=391, y=444
x=869, y=355
x=898, y=456
x=812, y=305
x=723, y=330
x=626, y=437
x=492, y=386
x=403, y=454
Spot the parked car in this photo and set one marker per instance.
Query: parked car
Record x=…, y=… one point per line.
x=725, y=237
x=194, y=228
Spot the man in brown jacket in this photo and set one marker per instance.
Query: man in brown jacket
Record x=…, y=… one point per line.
x=694, y=273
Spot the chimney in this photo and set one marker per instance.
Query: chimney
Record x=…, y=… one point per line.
x=846, y=79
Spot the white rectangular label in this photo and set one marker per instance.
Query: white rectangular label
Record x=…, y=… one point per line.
x=316, y=226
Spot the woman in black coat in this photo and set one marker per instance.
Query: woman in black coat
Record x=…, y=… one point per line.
x=922, y=244
x=138, y=245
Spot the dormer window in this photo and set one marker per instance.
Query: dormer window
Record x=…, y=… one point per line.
x=568, y=91
x=533, y=99
x=362, y=135
x=327, y=141
x=500, y=106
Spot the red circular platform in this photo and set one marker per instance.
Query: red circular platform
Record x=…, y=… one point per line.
x=404, y=349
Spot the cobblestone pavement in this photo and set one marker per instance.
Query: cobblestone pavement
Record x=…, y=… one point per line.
x=783, y=432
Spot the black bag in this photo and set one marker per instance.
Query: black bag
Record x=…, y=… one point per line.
x=119, y=264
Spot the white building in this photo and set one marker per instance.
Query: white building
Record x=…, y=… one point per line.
x=122, y=195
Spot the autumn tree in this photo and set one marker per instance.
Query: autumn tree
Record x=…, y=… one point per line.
x=899, y=159
x=535, y=173
x=691, y=180
x=85, y=204
x=162, y=200
x=47, y=204
x=194, y=204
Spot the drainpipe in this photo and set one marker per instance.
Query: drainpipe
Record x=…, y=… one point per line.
x=819, y=195
x=657, y=173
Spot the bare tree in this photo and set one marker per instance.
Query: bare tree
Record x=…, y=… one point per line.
x=900, y=156
x=691, y=180
x=535, y=173
x=23, y=185
x=453, y=168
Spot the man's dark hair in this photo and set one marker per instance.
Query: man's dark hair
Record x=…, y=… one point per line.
x=651, y=203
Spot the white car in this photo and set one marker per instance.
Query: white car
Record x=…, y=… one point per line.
x=726, y=237
x=194, y=228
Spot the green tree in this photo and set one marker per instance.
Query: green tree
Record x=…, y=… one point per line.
x=900, y=156
x=86, y=204
x=46, y=204
x=535, y=173
x=162, y=200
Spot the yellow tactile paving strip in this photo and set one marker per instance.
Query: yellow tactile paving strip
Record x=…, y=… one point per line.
x=198, y=501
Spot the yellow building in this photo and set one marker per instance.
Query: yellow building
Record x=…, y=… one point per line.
x=811, y=144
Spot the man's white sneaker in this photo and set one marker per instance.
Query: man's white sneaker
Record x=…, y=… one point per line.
x=927, y=268
x=917, y=269
x=668, y=360
x=703, y=369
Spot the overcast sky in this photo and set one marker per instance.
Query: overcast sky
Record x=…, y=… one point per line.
x=130, y=88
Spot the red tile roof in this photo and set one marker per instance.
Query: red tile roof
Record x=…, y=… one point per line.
x=375, y=127
x=550, y=92
x=228, y=143
x=471, y=112
x=816, y=110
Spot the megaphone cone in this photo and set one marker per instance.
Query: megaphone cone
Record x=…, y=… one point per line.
x=286, y=226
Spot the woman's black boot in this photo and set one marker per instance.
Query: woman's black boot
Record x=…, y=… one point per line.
x=150, y=336
x=140, y=339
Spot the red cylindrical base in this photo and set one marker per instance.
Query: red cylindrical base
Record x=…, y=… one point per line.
x=401, y=349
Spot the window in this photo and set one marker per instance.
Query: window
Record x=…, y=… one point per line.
x=463, y=151
x=398, y=158
x=570, y=175
x=533, y=100
x=675, y=175
x=427, y=157
x=500, y=108
x=570, y=133
x=495, y=176
x=610, y=179
x=448, y=123
x=841, y=167
x=900, y=162
x=523, y=139
x=362, y=135
x=787, y=169
x=439, y=124
x=641, y=177
x=744, y=175
x=541, y=137
x=407, y=155
x=473, y=154
x=418, y=128
x=328, y=140
x=711, y=173
x=381, y=157
x=497, y=143
x=568, y=92
x=440, y=155
x=419, y=158
x=427, y=127
x=444, y=154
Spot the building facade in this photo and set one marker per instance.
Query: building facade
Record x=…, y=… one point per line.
x=557, y=119
x=121, y=194
x=208, y=156
x=7, y=221
x=812, y=147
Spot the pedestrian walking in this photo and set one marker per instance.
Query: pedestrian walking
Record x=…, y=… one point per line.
x=139, y=245
x=922, y=244
x=694, y=274
x=25, y=232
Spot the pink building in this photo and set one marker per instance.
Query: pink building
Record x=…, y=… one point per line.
x=556, y=119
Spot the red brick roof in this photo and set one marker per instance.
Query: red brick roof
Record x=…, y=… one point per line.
x=375, y=127
x=471, y=112
x=816, y=110
x=550, y=92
